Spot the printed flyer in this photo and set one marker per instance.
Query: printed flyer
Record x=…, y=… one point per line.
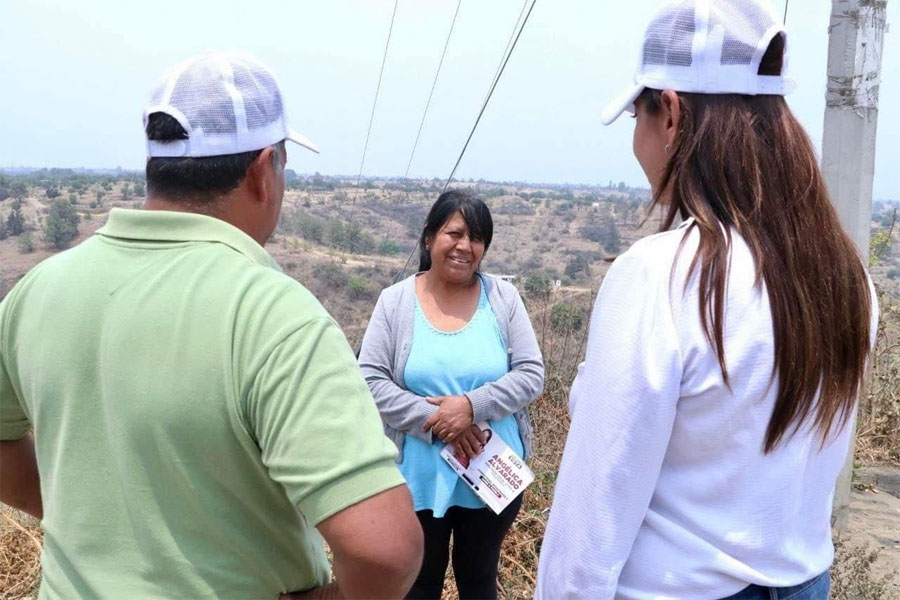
x=497, y=475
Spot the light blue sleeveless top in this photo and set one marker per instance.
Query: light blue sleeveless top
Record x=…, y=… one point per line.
x=445, y=364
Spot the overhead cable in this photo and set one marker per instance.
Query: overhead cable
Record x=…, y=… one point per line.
x=431, y=93
x=510, y=46
x=490, y=93
x=377, y=90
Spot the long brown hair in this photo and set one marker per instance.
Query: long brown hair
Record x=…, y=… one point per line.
x=744, y=162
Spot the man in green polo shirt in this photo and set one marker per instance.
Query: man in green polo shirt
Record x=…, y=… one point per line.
x=197, y=414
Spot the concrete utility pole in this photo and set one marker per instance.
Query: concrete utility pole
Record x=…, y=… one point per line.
x=855, y=41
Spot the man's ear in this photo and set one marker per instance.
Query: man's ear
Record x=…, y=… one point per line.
x=258, y=183
x=671, y=107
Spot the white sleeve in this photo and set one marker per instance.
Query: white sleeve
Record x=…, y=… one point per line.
x=622, y=405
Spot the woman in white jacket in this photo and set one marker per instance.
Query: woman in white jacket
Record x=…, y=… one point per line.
x=713, y=412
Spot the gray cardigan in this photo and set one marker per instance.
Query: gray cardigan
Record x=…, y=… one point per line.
x=386, y=346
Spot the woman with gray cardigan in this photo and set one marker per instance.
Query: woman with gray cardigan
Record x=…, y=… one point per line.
x=445, y=349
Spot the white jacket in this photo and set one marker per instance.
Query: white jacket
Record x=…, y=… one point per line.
x=664, y=490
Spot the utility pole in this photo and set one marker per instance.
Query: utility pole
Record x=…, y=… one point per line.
x=855, y=41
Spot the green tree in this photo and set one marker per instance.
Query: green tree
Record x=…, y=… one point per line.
x=356, y=240
x=357, y=288
x=388, y=247
x=537, y=284
x=100, y=194
x=565, y=316
x=26, y=243
x=126, y=191
x=61, y=226
x=52, y=193
x=577, y=265
x=18, y=189
x=15, y=222
x=611, y=240
x=3, y=234
x=336, y=236
x=310, y=228
x=73, y=199
x=139, y=190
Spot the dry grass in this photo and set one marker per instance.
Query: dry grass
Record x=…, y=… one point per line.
x=20, y=549
x=878, y=423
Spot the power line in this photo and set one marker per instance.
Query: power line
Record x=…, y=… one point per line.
x=786, y=4
x=377, y=90
x=431, y=93
x=510, y=46
x=490, y=93
x=508, y=43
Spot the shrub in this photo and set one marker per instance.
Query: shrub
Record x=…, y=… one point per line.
x=15, y=222
x=603, y=232
x=516, y=207
x=388, y=247
x=537, y=284
x=578, y=265
x=26, y=243
x=61, y=226
x=331, y=276
x=565, y=316
x=358, y=288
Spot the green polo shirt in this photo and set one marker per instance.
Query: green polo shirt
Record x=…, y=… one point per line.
x=196, y=413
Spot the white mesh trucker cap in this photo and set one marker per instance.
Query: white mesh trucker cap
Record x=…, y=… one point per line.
x=227, y=103
x=708, y=47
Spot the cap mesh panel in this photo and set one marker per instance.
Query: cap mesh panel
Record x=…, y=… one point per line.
x=669, y=38
x=201, y=96
x=262, y=100
x=744, y=23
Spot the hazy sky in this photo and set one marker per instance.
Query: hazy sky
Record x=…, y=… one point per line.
x=74, y=77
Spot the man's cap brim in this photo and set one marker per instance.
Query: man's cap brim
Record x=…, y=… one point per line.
x=299, y=138
x=622, y=102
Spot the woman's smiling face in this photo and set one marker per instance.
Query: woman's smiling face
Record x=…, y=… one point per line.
x=455, y=256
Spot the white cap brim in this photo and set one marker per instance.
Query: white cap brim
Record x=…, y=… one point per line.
x=299, y=138
x=622, y=102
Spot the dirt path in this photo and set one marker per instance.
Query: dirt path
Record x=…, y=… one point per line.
x=875, y=517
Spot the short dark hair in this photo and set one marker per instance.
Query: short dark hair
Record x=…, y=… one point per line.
x=473, y=210
x=196, y=181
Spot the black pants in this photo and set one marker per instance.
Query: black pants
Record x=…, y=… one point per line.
x=477, y=536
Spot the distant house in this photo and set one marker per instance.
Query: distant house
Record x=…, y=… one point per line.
x=509, y=278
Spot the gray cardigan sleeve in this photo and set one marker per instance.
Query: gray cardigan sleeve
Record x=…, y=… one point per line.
x=399, y=408
x=525, y=380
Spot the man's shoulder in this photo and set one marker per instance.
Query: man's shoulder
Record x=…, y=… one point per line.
x=46, y=268
x=272, y=295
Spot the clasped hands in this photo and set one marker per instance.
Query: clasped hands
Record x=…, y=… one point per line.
x=452, y=423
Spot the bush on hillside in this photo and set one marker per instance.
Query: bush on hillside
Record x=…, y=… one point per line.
x=61, y=226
